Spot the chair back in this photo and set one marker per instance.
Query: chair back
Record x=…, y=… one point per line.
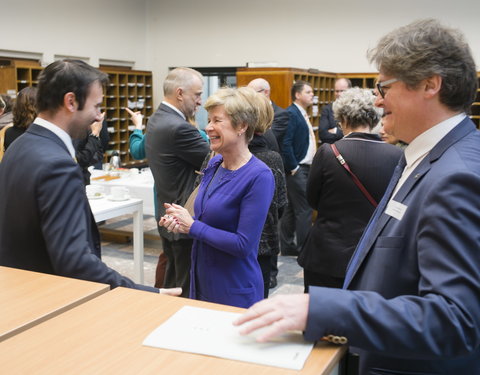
x=2, y=140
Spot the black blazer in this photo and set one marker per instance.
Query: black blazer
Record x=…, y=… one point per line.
x=175, y=150
x=280, y=123
x=327, y=121
x=343, y=210
x=46, y=224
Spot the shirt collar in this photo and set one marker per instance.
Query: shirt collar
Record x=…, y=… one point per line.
x=60, y=133
x=426, y=141
x=175, y=109
x=302, y=110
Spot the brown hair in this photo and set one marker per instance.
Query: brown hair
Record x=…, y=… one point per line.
x=24, y=111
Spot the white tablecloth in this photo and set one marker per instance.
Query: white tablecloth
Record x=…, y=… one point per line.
x=139, y=185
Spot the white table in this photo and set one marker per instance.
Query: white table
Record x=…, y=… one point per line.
x=139, y=185
x=104, y=209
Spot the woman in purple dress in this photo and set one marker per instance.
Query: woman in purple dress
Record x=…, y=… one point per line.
x=231, y=205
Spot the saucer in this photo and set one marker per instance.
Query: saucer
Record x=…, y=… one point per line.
x=96, y=196
x=118, y=199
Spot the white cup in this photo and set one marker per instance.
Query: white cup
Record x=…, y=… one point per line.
x=94, y=190
x=119, y=192
x=134, y=171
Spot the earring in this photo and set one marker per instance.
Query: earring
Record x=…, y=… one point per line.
x=239, y=134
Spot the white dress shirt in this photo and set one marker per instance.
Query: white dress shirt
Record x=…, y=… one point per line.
x=420, y=147
x=312, y=149
x=60, y=133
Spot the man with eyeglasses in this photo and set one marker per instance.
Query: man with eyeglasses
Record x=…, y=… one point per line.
x=328, y=129
x=410, y=302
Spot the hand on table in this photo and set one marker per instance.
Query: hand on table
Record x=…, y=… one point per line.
x=177, y=219
x=171, y=291
x=279, y=314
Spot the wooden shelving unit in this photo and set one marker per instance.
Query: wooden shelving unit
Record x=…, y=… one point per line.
x=281, y=80
x=127, y=88
x=18, y=74
x=132, y=89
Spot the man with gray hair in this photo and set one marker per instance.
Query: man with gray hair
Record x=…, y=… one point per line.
x=414, y=286
x=175, y=150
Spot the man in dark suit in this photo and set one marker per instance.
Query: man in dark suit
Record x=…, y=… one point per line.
x=328, y=130
x=414, y=304
x=274, y=136
x=298, y=150
x=175, y=150
x=46, y=224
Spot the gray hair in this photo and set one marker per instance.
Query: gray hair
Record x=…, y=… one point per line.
x=180, y=77
x=356, y=107
x=426, y=48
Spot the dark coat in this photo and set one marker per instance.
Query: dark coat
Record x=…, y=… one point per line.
x=343, y=210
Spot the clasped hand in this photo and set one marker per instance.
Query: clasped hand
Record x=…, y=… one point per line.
x=176, y=219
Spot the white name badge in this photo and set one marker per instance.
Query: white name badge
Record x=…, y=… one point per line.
x=396, y=209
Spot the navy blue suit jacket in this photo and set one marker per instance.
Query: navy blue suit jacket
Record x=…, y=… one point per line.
x=46, y=224
x=296, y=139
x=416, y=304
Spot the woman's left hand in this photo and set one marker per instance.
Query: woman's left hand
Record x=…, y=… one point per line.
x=177, y=219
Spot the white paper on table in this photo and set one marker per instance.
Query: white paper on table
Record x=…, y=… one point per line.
x=210, y=332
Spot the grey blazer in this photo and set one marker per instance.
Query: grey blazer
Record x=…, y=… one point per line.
x=175, y=150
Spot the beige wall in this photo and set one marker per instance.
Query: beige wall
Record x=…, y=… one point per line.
x=95, y=29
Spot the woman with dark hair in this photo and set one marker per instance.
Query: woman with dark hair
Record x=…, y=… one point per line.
x=24, y=112
x=344, y=209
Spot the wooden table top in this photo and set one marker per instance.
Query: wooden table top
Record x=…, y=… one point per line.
x=105, y=335
x=29, y=298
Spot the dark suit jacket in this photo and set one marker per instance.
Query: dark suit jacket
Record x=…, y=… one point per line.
x=343, y=210
x=327, y=121
x=296, y=139
x=279, y=124
x=175, y=150
x=45, y=220
x=416, y=306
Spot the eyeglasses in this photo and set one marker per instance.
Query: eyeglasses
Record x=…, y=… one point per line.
x=381, y=85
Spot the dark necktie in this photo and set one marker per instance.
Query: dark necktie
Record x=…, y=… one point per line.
x=352, y=266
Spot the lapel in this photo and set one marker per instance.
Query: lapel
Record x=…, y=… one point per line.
x=460, y=131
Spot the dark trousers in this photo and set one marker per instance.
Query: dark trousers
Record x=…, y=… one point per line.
x=297, y=218
x=316, y=279
x=274, y=265
x=265, y=262
x=177, y=273
x=160, y=270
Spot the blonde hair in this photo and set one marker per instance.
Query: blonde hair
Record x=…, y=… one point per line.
x=243, y=106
